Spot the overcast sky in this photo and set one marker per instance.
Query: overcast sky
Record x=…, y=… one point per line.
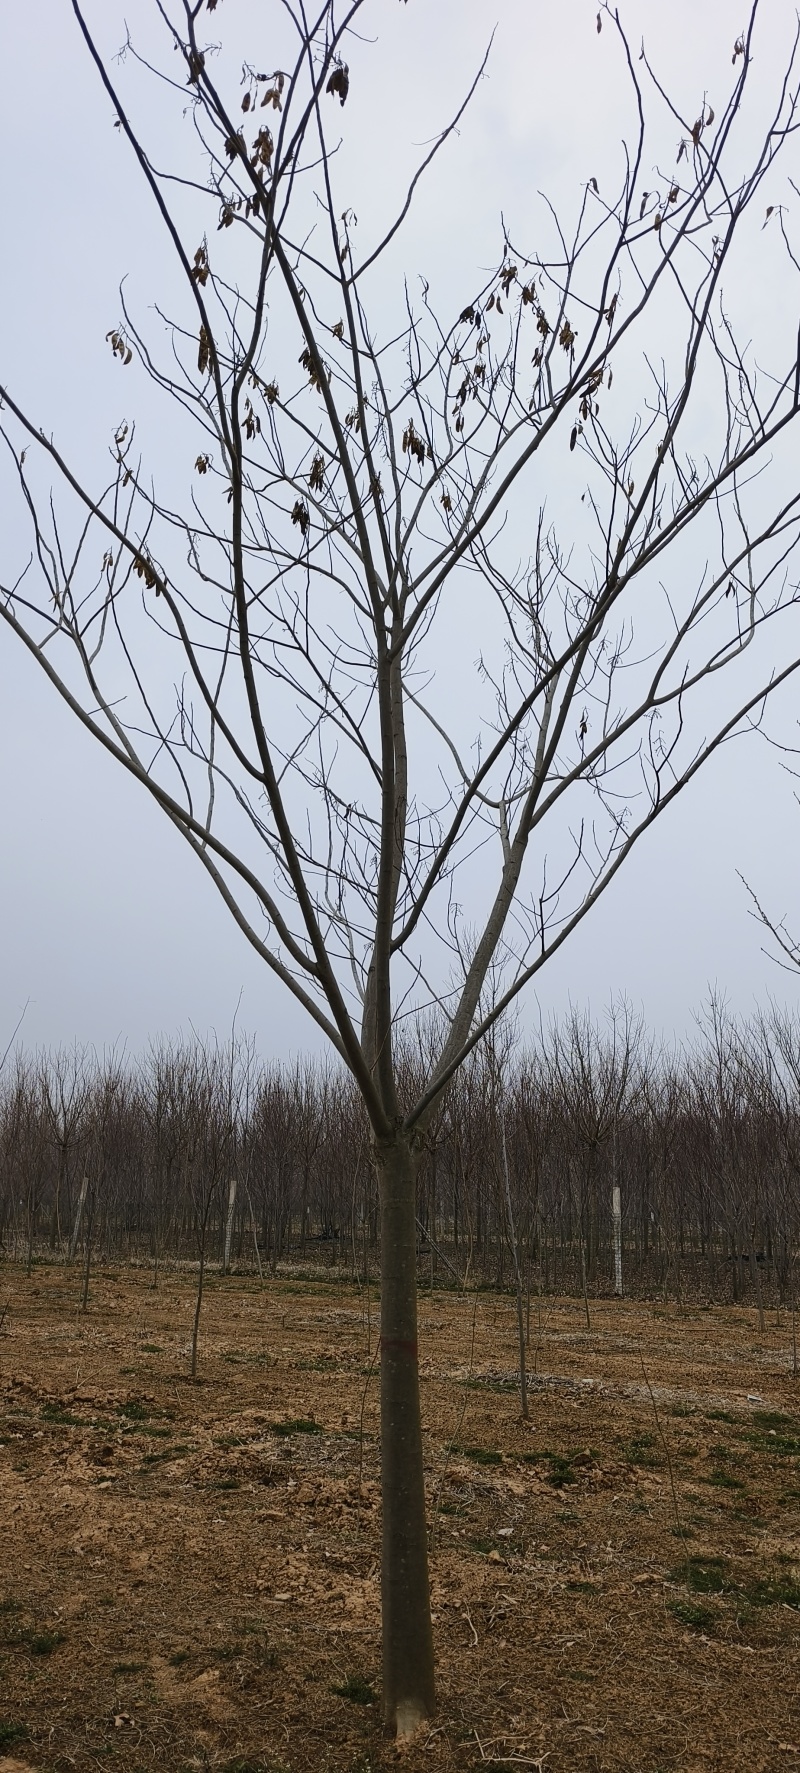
x=109, y=931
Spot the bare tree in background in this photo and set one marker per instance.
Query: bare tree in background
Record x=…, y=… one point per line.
x=354, y=507
x=66, y=1091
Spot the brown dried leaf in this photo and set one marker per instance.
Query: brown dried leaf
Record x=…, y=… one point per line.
x=339, y=83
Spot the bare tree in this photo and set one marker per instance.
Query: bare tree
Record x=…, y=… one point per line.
x=364, y=480
x=66, y=1089
x=595, y=1075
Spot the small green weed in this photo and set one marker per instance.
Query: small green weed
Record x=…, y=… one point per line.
x=772, y=1419
x=703, y=1575
x=11, y=1732
x=773, y=1591
x=479, y=1455
x=62, y=1418
x=694, y=1614
x=150, y=1348
x=723, y=1480
x=43, y=1643
x=300, y=1425
x=236, y=1359
x=179, y=1451
x=127, y=1668
x=640, y=1451
x=561, y=1471
x=357, y=1690
x=779, y=1446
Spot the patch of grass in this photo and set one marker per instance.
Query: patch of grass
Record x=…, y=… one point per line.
x=719, y=1416
x=560, y=1471
x=723, y=1480
x=247, y=1360
x=127, y=1668
x=11, y=1732
x=150, y=1348
x=641, y=1451
x=357, y=1690
x=178, y=1658
x=779, y=1446
x=10, y=1606
x=228, y=1483
x=773, y=1591
x=43, y=1643
x=482, y=1546
x=772, y=1419
x=703, y=1575
x=478, y=1455
x=40, y=1643
x=62, y=1418
x=581, y=1587
x=694, y=1614
x=229, y=1440
x=299, y=1425
x=177, y=1452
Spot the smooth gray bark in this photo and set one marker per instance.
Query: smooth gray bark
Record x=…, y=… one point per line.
x=408, y=1671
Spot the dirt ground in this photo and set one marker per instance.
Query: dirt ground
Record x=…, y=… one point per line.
x=189, y=1572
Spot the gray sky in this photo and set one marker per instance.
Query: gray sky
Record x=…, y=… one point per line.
x=109, y=931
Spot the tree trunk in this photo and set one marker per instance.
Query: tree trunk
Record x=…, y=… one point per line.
x=198, y=1304
x=408, y=1679
x=616, y=1219
x=226, y=1254
x=76, y=1229
x=523, y=1377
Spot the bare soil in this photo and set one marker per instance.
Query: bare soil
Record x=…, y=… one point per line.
x=189, y=1572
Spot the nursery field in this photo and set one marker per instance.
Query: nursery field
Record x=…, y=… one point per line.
x=189, y=1570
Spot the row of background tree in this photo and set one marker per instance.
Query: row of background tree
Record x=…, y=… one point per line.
x=200, y=1145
